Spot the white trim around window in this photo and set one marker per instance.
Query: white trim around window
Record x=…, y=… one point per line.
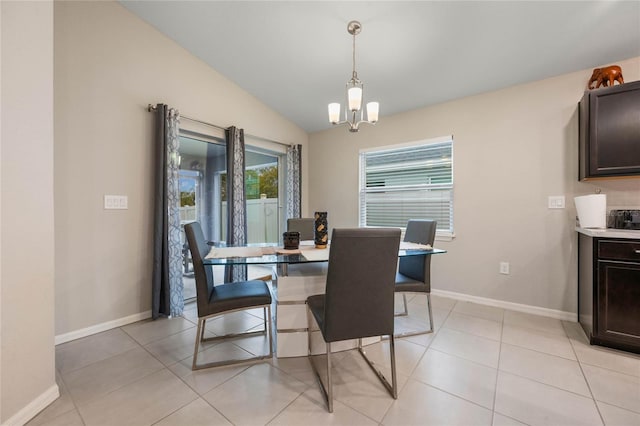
x=408, y=181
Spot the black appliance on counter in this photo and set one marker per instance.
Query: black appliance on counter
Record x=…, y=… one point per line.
x=624, y=219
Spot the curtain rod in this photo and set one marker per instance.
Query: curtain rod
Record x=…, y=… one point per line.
x=152, y=108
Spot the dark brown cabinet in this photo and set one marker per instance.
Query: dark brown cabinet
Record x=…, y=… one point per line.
x=610, y=132
x=609, y=291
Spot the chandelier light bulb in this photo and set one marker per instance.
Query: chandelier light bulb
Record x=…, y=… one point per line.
x=355, y=98
x=334, y=113
x=372, y=111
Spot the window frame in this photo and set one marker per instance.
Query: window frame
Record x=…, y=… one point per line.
x=441, y=234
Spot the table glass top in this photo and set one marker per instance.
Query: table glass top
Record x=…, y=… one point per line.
x=261, y=255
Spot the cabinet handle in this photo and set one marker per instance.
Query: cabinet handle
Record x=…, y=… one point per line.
x=637, y=251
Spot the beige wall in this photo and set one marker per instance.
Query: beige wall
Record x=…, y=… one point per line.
x=27, y=380
x=108, y=66
x=512, y=149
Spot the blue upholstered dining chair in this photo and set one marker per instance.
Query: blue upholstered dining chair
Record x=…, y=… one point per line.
x=414, y=272
x=215, y=300
x=358, y=300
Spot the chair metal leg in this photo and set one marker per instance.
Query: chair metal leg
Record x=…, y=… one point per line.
x=264, y=315
x=329, y=380
x=327, y=392
x=393, y=387
x=197, y=345
x=200, y=338
x=430, y=313
x=404, y=303
x=270, y=321
x=392, y=355
x=414, y=333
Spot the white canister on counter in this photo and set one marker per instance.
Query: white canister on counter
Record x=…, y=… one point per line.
x=592, y=210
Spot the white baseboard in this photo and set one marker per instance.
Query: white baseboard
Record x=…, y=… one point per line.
x=98, y=328
x=530, y=309
x=34, y=407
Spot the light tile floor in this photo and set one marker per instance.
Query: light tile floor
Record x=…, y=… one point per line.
x=482, y=366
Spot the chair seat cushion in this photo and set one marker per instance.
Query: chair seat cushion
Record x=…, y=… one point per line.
x=404, y=283
x=237, y=295
x=316, y=306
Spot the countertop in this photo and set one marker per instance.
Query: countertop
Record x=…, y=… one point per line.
x=610, y=233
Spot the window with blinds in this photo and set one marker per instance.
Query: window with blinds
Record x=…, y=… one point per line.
x=408, y=182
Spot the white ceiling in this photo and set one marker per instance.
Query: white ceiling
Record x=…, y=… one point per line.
x=295, y=56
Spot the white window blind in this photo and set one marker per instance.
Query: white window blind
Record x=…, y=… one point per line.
x=408, y=182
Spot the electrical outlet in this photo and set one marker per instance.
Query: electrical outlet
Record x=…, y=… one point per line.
x=504, y=268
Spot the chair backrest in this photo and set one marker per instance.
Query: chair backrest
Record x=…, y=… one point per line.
x=421, y=231
x=360, y=283
x=203, y=273
x=304, y=225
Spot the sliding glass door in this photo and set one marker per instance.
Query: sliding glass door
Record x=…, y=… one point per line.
x=203, y=180
x=263, y=183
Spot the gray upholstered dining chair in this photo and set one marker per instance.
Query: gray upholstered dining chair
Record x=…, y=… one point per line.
x=304, y=225
x=358, y=300
x=214, y=300
x=414, y=272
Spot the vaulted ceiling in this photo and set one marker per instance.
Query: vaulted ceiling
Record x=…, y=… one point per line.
x=295, y=56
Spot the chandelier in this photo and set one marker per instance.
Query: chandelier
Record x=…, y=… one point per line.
x=353, y=114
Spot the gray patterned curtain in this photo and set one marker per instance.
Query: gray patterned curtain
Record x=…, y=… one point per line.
x=167, y=297
x=294, y=172
x=236, y=200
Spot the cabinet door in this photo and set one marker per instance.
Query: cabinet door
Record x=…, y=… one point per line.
x=618, y=302
x=614, y=126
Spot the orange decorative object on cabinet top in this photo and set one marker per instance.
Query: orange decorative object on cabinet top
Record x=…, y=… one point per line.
x=606, y=76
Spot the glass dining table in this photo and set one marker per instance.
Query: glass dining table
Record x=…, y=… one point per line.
x=305, y=254
x=296, y=274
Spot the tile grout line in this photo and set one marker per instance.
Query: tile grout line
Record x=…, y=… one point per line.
x=73, y=402
x=538, y=351
x=547, y=384
x=148, y=321
x=607, y=368
x=495, y=389
x=573, y=346
x=134, y=341
x=199, y=396
x=292, y=401
x=176, y=410
x=584, y=376
x=537, y=330
x=91, y=401
x=435, y=335
x=426, y=349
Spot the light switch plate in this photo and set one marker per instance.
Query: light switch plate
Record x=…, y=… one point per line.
x=556, y=201
x=116, y=202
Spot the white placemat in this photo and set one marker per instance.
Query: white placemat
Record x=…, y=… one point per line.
x=406, y=245
x=222, y=252
x=287, y=251
x=316, y=254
